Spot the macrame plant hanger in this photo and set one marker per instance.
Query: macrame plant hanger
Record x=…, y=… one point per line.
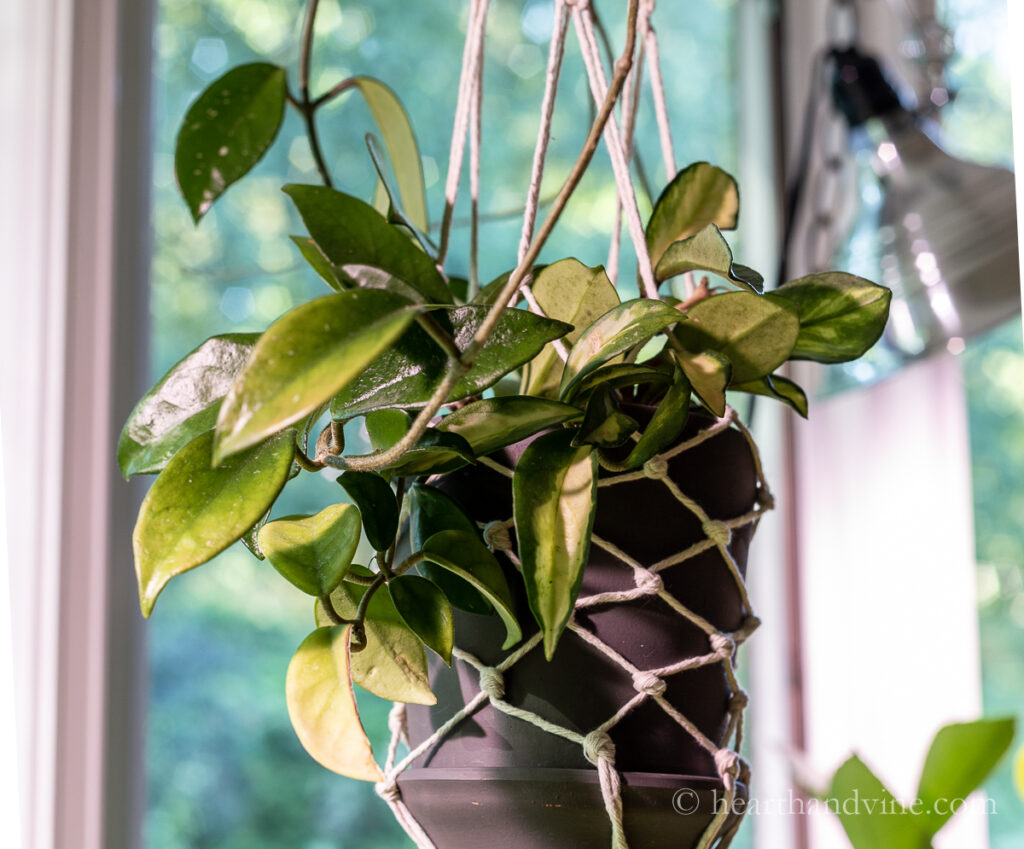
x=649, y=684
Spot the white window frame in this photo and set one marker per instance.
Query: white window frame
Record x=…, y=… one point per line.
x=75, y=255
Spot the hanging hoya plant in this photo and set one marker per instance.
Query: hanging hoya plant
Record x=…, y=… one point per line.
x=558, y=499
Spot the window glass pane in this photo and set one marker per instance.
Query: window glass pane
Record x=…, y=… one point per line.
x=224, y=769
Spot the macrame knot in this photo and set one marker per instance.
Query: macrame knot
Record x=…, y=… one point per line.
x=648, y=582
x=656, y=468
x=598, y=746
x=750, y=624
x=723, y=645
x=728, y=763
x=492, y=682
x=740, y=700
x=718, y=532
x=497, y=537
x=649, y=683
x=765, y=498
x=388, y=790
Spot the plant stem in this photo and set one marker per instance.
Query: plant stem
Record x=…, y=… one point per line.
x=332, y=614
x=458, y=368
x=306, y=107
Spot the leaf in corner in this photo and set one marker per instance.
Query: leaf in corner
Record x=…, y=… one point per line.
x=553, y=495
x=871, y=816
x=322, y=706
x=304, y=358
x=195, y=510
x=706, y=251
x=227, y=131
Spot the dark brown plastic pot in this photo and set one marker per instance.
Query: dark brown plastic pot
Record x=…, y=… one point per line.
x=495, y=777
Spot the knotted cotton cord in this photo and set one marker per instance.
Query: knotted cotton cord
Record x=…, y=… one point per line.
x=649, y=684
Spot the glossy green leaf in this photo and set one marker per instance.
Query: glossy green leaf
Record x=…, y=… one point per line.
x=554, y=492
x=183, y=404
x=319, y=263
x=493, y=423
x=227, y=131
x=871, y=816
x=400, y=141
x=756, y=333
x=388, y=201
x=618, y=375
x=386, y=428
x=604, y=424
x=778, y=387
x=426, y=610
x=709, y=373
x=194, y=511
x=377, y=505
x=430, y=512
x=406, y=375
x=568, y=291
x=665, y=425
x=465, y=556
x=706, y=251
x=961, y=757
x=621, y=328
x=841, y=316
x=436, y=452
x=393, y=664
x=304, y=358
x=355, y=237
x=313, y=552
x=322, y=706
x=700, y=194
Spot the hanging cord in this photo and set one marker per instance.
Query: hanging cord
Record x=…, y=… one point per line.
x=650, y=42
x=472, y=61
x=613, y=142
x=476, y=107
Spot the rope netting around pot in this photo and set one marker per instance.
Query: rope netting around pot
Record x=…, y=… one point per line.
x=649, y=684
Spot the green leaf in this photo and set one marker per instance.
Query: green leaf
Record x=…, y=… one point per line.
x=194, y=511
x=313, y=552
x=227, y=131
x=871, y=816
x=706, y=251
x=841, y=316
x=355, y=237
x=320, y=264
x=406, y=375
x=436, y=452
x=386, y=428
x=755, y=332
x=961, y=757
x=304, y=358
x=183, y=404
x=493, y=423
x=400, y=140
x=709, y=373
x=430, y=512
x=618, y=375
x=621, y=328
x=700, y=194
x=553, y=494
x=426, y=611
x=464, y=555
x=377, y=504
x=568, y=291
x=604, y=425
x=778, y=387
x=393, y=664
x=322, y=706
x=666, y=424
